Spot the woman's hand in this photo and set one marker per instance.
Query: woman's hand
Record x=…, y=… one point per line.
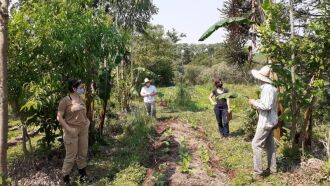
x=214, y=103
x=69, y=129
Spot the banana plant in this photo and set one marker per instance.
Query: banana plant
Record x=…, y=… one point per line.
x=223, y=23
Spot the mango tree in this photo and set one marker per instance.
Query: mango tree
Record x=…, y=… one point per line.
x=54, y=41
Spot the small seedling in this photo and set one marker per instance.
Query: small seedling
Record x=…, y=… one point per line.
x=183, y=142
x=166, y=150
x=205, y=157
x=166, y=143
x=194, y=124
x=159, y=178
x=168, y=132
x=185, y=157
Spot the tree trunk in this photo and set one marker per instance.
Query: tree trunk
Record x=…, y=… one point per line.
x=277, y=131
x=4, y=16
x=103, y=117
x=253, y=30
x=89, y=101
x=294, y=108
x=328, y=146
x=307, y=120
x=310, y=131
x=24, y=139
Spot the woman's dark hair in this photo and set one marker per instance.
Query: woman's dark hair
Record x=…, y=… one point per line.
x=73, y=83
x=218, y=83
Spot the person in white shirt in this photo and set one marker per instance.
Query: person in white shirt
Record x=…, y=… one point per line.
x=268, y=119
x=149, y=92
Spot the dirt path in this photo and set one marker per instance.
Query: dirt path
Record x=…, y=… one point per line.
x=173, y=136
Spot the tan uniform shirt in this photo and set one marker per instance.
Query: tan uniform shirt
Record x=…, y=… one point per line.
x=74, y=112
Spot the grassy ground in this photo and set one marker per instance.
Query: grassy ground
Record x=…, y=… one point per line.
x=235, y=153
x=119, y=158
x=122, y=156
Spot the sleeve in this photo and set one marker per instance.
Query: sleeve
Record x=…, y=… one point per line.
x=155, y=89
x=266, y=100
x=62, y=105
x=142, y=91
x=213, y=92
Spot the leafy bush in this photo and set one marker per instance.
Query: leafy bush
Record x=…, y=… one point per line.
x=183, y=100
x=228, y=73
x=326, y=173
x=242, y=178
x=191, y=72
x=250, y=123
x=134, y=141
x=131, y=176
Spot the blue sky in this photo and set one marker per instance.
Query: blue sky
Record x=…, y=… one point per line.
x=192, y=17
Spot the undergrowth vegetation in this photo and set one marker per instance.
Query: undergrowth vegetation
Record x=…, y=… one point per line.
x=235, y=153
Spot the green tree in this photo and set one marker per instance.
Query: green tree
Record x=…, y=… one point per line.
x=53, y=41
x=238, y=34
x=131, y=16
x=310, y=63
x=156, y=53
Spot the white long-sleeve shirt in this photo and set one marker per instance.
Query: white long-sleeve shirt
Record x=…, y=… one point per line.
x=267, y=106
x=149, y=90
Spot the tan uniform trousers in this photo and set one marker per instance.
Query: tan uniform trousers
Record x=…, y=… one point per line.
x=76, y=147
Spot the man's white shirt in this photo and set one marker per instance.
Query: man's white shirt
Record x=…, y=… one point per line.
x=267, y=106
x=149, y=90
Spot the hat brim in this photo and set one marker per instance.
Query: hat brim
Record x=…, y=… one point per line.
x=261, y=77
x=146, y=82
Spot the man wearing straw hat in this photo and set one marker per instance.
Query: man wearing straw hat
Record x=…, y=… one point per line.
x=268, y=118
x=149, y=92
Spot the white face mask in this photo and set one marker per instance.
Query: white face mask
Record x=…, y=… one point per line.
x=80, y=91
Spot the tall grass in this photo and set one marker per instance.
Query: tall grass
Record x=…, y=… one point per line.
x=129, y=151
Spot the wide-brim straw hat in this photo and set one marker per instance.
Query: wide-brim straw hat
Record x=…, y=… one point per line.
x=146, y=80
x=263, y=74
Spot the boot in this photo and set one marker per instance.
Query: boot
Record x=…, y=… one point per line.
x=83, y=175
x=66, y=180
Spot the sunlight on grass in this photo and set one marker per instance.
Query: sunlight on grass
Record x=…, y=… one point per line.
x=235, y=153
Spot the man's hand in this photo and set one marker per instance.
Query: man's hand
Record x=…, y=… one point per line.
x=251, y=101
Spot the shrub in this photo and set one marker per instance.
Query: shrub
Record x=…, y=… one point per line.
x=250, y=123
x=191, y=72
x=228, y=73
x=292, y=153
x=183, y=100
x=132, y=176
x=242, y=178
x=325, y=173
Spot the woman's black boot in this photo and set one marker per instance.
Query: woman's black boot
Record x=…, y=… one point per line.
x=66, y=180
x=83, y=175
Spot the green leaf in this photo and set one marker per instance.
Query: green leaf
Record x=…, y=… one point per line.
x=231, y=95
x=223, y=23
x=266, y=5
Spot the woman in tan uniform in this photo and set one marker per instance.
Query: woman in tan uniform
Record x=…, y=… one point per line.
x=72, y=116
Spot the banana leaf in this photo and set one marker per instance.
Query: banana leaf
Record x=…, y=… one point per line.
x=223, y=23
x=231, y=95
